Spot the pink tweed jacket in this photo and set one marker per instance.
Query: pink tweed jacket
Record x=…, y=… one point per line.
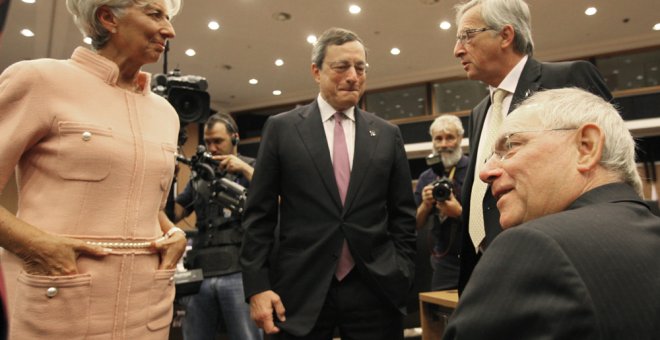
x=95, y=162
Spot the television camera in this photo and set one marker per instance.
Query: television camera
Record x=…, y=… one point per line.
x=187, y=94
x=442, y=187
x=229, y=194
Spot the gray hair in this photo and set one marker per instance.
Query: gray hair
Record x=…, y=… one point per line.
x=447, y=123
x=573, y=107
x=498, y=13
x=84, y=15
x=332, y=36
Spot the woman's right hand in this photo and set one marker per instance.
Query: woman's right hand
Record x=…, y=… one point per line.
x=53, y=255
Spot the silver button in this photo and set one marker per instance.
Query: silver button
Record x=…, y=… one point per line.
x=171, y=280
x=86, y=136
x=50, y=292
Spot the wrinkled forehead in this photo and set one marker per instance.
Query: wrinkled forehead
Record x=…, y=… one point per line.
x=526, y=118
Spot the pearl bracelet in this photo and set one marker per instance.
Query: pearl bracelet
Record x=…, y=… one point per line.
x=173, y=230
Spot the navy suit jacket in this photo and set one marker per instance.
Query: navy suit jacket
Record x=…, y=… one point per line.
x=536, y=76
x=377, y=220
x=589, y=272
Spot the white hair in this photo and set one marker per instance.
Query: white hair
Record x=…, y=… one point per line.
x=84, y=15
x=573, y=107
x=447, y=123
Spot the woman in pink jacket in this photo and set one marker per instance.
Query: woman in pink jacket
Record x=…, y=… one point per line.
x=90, y=254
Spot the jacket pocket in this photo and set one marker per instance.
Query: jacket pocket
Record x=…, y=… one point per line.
x=161, y=300
x=84, y=151
x=56, y=307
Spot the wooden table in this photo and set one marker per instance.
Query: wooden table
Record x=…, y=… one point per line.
x=434, y=311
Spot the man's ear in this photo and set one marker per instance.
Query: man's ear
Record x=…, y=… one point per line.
x=107, y=18
x=590, y=141
x=507, y=33
x=316, y=73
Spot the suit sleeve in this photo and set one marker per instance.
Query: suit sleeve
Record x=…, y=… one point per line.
x=586, y=76
x=401, y=208
x=524, y=287
x=261, y=215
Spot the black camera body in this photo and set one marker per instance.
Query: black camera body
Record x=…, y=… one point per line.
x=186, y=93
x=442, y=187
x=229, y=194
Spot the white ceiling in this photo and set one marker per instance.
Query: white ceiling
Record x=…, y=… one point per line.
x=250, y=39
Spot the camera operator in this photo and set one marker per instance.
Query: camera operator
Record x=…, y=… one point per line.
x=216, y=246
x=437, y=196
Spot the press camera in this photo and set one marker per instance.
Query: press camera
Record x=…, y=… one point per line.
x=442, y=187
x=229, y=194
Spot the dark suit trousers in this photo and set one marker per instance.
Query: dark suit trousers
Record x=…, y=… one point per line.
x=357, y=311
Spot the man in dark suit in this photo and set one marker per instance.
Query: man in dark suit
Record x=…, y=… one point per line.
x=580, y=258
x=337, y=180
x=494, y=45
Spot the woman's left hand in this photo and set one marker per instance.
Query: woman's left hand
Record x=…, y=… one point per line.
x=171, y=249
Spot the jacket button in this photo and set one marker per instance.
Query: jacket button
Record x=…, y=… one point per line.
x=50, y=292
x=86, y=136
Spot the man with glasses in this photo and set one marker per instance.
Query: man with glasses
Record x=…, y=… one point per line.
x=494, y=44
x=578, y=255
x=336, y=181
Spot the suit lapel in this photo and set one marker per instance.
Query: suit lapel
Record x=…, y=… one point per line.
x=528, y=84
x=366, y=139
x=310, y=129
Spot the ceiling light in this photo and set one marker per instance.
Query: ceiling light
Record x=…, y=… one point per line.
x=354, y=9
x=29, y=1
x=277, y=93
x=281, y=16
x=87, y=40
x=311, y=39
x=395, y=51
x=27, y=33
x=253, y=81
x=656, y=27
x=445, y=25
x=279, y=62
x=590, y=11
x=214, y=25
x=190, y=52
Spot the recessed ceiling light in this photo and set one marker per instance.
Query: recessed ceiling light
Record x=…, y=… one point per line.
x=590, y=11
x=190, y=52
x=445, y=25
x=277, y=93
x=214, y=25
x=87, y=40
x=311, y=39
x=29, y=1
x=395, y=51
x=656, y=27
x=27, y=33
x=354, y=9
x=279, y=62
x=253, y=81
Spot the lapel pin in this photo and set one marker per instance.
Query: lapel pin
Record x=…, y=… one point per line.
x=372, y=133
x=528, y=93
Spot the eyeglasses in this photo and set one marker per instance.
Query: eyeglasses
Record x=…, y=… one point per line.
x=343, y=66
x=510, y=144
x=466, y=36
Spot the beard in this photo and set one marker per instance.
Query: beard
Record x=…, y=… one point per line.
x=450, y=157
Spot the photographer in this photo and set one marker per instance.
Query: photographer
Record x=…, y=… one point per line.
x=216, y=246
x=438, y=196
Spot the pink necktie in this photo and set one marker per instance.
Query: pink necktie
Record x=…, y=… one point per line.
x=342, y=169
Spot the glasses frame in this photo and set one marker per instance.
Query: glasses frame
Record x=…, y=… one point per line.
x=466, y=36
x=503, y=155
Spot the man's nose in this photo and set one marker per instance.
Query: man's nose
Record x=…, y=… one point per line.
x=459, y=49
x=491, y=170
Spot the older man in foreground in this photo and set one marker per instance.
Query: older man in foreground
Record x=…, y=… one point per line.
x=581, y=260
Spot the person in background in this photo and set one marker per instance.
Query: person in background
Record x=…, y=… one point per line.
x=433, y=200
x=578, y=255
x=494, y=45
x=216, y=246
x=90, y=253
x=336, y=181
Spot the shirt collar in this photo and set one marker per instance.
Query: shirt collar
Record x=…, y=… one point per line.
x=327, y=111
x=510, y=82
x=106, y=69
